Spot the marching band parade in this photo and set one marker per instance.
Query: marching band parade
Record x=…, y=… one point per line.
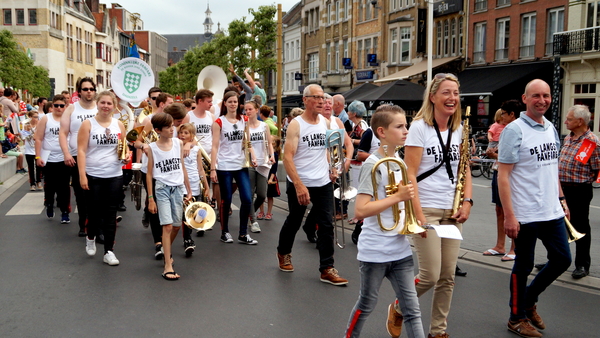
x=220, y=160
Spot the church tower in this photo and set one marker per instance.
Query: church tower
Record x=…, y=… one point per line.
x=208, y=23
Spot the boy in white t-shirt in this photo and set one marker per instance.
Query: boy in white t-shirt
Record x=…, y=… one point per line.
x=384, y=253
x=165, y=164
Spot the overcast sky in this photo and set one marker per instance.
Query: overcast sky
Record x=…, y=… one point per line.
x=187, y=16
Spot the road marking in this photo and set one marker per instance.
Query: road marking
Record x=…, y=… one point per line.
x=481, y=185
x=31, y=204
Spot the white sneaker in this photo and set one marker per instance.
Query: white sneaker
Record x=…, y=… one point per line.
x=254, y=227
x=110, y=258
x=90, y=246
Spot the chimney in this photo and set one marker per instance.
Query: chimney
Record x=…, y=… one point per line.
x=93, y=5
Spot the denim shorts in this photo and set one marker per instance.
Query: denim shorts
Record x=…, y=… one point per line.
x=169, y=201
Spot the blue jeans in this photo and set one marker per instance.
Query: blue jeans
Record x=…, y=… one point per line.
x=553, y=235
x=242, y=179
x=322, y=211
x=401, y=274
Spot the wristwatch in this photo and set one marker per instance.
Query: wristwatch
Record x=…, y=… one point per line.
x=468, y=200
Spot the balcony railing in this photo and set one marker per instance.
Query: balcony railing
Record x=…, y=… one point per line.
x=576, y=41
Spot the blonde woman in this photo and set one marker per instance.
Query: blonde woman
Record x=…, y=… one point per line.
x=432, y=155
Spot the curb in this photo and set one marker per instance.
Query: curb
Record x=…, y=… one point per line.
x=592, y=284
x=11, y=185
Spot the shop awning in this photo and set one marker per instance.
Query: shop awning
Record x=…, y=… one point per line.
x=415, y=69
x=478, y=81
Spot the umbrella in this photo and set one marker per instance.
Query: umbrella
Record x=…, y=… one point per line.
x=406, y=94
x=357, y=91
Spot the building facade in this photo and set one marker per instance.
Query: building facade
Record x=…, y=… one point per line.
x=292, y=51
x=578, y=51
x=509, y=44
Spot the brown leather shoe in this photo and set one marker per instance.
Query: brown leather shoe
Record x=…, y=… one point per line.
x=285, y=262
x=394, y=322
x=523, y=328
x=535, y=319
x=330, y=275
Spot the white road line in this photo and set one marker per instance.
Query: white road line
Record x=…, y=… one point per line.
x=31, y=204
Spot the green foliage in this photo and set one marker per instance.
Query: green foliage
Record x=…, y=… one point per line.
x=18, y=71
x=246, y=45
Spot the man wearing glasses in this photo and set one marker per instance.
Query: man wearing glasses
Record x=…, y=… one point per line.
x=70, y=122
x=309, y=180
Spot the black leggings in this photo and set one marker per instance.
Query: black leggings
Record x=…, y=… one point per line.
x=153, y=218
x=35, y=172
x=103, y=199
x=56, y=182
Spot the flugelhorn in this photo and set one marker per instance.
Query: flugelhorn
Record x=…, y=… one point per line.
x=411, y=225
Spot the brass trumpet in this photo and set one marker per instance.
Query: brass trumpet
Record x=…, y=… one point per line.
x=411, y=225
x=572, y=234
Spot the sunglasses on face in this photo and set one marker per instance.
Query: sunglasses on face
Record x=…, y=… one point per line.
x=59, y=105
x=88, y=89
x=153, y=98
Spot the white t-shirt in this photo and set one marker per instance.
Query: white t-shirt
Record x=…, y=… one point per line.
x=78, y=115
x=231, y=155
x=534, y=179
x=374, y=244
x=29, y=141
x=203, y=129
x=191, y=167
x=435, y=191
x=51, y=140
x=258, y=138
x=311, y=155
x=168, y=167
x=101, y=159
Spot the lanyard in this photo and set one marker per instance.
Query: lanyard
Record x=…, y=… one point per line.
x=445, y=150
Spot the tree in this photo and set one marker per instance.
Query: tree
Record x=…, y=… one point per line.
x=18, y=71
x=263, y=35
x=246, y=45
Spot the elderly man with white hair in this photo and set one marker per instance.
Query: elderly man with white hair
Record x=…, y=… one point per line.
x=577, y=169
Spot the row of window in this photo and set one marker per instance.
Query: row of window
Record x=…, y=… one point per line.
x=482, y=5
x=555, y=23
x=19, y=16
x=333, y=60
x=103, y=52
x=337, y=11
x=449, y=37
x=290, y=83
x=292, y=51
x=80, y=44
x=100, y=78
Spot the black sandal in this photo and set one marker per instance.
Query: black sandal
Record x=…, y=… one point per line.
x=170, y=273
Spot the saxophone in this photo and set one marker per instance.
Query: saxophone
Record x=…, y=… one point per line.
x=463, y=164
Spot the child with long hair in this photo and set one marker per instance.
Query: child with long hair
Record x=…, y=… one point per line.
x=272, y=182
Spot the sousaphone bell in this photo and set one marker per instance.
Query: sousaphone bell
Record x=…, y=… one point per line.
x=199, y=216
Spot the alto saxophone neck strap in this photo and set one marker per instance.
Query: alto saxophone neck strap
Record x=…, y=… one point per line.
x=446, y=150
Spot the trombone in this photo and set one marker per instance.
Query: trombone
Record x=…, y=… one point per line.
x=411, y=225
x=345, y=192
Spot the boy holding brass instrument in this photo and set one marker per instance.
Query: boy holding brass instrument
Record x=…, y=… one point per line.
x=382, y=251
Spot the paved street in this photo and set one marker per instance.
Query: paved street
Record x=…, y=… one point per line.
x=51, y=288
